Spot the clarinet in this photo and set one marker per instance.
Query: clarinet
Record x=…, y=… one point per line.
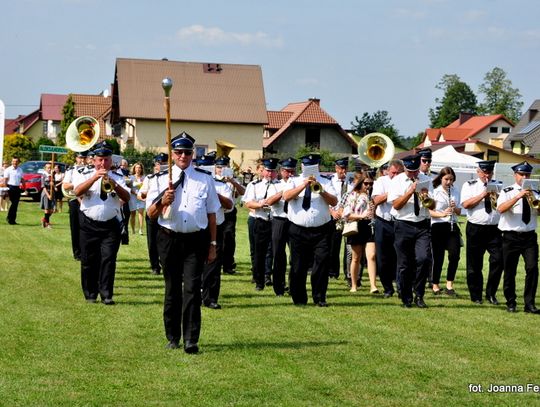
x=450, y=206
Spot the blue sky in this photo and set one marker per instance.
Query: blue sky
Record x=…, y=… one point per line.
x=355, y=55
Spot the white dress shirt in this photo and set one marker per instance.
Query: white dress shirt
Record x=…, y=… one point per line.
x=511, y=219
x=13, y=176
x=398, y=186
x=478, y=214
x=318, y=213
x=192, y=202
x=259, y=190
x=442, y=202
x=381, y=186
x=91, y=203
x=226, y=190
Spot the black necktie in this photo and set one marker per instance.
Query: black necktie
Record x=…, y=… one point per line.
x=416, y=204
x=342, y=189
x=487, y=204
x=286, y=207
x=266, y=192
x=102, y=194
x=181, y=180
x=175, y=185
x=526, y=213
x=306, y=203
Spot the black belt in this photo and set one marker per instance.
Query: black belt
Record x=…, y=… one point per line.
x=422, y=224
x=513, y=232
x=170, y=232
x=280, y=218
x=391, y=222
x=102, y=222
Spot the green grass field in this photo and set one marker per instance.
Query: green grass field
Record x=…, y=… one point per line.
x=55, y=349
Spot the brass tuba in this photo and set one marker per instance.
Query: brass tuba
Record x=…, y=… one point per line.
x=223, y=148
x=82, y=134
x=375, y=149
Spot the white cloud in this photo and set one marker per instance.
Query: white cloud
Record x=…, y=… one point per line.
x=210, y=36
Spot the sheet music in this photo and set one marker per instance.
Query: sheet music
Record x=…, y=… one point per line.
x=420, y=185
x=310, y=170
x=493, y=187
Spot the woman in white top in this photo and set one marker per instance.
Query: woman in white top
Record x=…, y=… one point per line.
x=4, y=197
x=445, y=233
x=136, y=206
x=359, y=208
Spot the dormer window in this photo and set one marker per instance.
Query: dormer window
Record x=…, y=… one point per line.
x=494, y=129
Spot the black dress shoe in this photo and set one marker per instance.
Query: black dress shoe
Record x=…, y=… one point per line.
x=91, y=300
x=156, y=271
x=492, y=300
x=191, y=347
x=213, y=305
x=477, y=302
x=108, y=301
x=531, y=309
x=268, y=282
x=419, y=301
x=323, y=304
x=511, y=308
x=450, y=292
x=173, y=344
x=388, y=294
x=259, y=287
x=407, y=304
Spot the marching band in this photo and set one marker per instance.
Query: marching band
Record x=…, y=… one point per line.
x=400, y=224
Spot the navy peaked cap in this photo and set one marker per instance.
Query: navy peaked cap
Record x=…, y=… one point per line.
x=182, y=142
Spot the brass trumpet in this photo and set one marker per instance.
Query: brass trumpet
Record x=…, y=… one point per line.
x=425, y=200
x=533, y=202
x=107, y=185
x=493, y=196
x=316, y=186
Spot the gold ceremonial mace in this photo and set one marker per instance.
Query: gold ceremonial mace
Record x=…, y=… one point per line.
x=167, y=84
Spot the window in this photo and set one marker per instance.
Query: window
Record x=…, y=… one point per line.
x=505, y=129
x=493, y=129
x=200, y=150
x=492, y=155
x=313, y=138
x=45, y=126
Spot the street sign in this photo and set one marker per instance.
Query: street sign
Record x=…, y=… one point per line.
x=53, y=149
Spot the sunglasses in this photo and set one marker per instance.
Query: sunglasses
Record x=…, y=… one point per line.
x=425, y=160
x=368, y=183
x=185, y=152
x=523, y=174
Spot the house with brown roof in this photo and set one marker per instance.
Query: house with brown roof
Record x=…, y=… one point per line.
x=481, y=136
x=302, y=124
x=45, y=121
x=525, y=138
x=209, y=101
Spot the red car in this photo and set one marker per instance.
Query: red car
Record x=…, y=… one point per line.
x=31, y=185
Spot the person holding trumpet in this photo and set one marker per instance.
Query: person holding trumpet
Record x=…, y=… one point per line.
x=410, y=209
x=482, y=233
x=101, y=192
x=518, y=205
x=445, y=233
x=309, y=198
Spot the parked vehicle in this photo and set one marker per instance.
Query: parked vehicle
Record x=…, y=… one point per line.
x=32, y=173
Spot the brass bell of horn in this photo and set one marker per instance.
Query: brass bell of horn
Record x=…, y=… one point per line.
x=82, y=134
x=375, y=149
x=223, y=148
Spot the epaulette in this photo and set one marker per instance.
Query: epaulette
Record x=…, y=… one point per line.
x=117, y=174
x=328, y=177
x=203, y=171
x=86, y=170
x=472, y=182
x=219, y=180
x=158, y=174
x=508, y=189
x=256, y=181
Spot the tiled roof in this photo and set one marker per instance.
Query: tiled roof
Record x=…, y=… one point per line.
x=51, y=106
x=228, y=93
x=458, y=130
x=309, y=112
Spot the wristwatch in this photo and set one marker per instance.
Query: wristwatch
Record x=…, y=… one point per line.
x=213, y=243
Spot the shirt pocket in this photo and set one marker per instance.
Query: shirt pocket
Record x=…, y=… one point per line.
x=198, y=199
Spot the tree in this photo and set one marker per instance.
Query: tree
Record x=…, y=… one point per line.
x=500, y=96
x=380, y=122
x=68, y=113
x=458, y=97
x=18, y=145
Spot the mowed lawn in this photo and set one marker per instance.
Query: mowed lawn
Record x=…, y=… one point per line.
x=259, y=350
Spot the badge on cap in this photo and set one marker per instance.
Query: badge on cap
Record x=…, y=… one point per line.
x=289, y=163
x=523, y=167
x=161, y=158
x=425, y=153
x=311, y=159
x=270, y=163
x=411, y=162
x=182, y=142
x=223, y=160
x=343, y=162
x=102, y=149
x=486, y=166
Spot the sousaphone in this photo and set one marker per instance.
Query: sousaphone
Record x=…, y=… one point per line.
x=82, y=134
x=375, y=149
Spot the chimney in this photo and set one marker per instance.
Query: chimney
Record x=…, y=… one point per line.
x=464, y=116
x=316, y=101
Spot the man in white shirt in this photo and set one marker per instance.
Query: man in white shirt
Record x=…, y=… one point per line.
x=101, y=192
x=186, y=213
x=14, y=178
x=384, y=229
x=482, y=235
x=410, y=210
x=518, y=225
x=309, y=198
